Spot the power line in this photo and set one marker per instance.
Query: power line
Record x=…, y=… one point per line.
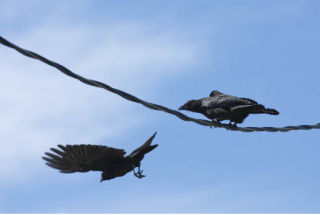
x=153, y=106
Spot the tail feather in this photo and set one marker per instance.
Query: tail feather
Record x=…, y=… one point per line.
x=267, y=111
x=256, y=108
x=148, y=149
x=145, y=148
x=271, y=111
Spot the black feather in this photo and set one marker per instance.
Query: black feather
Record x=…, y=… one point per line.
x=111, y=161
x=219, y=106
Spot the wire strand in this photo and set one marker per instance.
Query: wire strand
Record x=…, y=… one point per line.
x=153, y=106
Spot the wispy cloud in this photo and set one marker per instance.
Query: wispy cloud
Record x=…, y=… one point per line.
x=41, y=107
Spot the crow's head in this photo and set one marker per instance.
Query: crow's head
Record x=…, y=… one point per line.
x=192, y=105
x=215, y=93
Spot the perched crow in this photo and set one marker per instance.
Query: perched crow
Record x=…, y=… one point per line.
x=111, y=161
x=219, y=106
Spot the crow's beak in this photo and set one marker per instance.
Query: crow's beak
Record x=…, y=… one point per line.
x=183, y=107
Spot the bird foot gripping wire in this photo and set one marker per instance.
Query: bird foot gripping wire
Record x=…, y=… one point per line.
x=217, y=124
x=138, y=174
x=233, y=124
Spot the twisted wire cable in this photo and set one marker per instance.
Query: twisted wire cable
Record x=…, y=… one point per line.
x=135, y=99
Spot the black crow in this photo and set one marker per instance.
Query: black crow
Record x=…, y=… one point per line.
x=219, y=106
x=111, y=161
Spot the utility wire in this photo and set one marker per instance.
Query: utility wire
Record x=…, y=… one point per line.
x=153, y=106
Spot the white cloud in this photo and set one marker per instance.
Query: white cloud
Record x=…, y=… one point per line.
x=41, y=107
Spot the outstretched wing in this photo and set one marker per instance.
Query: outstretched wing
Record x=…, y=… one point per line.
x=82, y=158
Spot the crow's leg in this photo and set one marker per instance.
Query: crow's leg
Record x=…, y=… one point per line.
x=140, y=172
x=134, y=172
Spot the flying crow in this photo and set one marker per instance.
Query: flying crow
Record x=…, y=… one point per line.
x=219, y=106
x=111, y=161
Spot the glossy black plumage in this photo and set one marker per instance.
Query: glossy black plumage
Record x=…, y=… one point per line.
x=219, y=106
x=111, y=161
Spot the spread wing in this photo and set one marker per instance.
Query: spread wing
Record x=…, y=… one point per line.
x=82, y=158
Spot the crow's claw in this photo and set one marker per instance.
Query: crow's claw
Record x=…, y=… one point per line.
x=138, y=174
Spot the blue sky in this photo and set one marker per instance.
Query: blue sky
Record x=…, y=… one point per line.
x=165, y=52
